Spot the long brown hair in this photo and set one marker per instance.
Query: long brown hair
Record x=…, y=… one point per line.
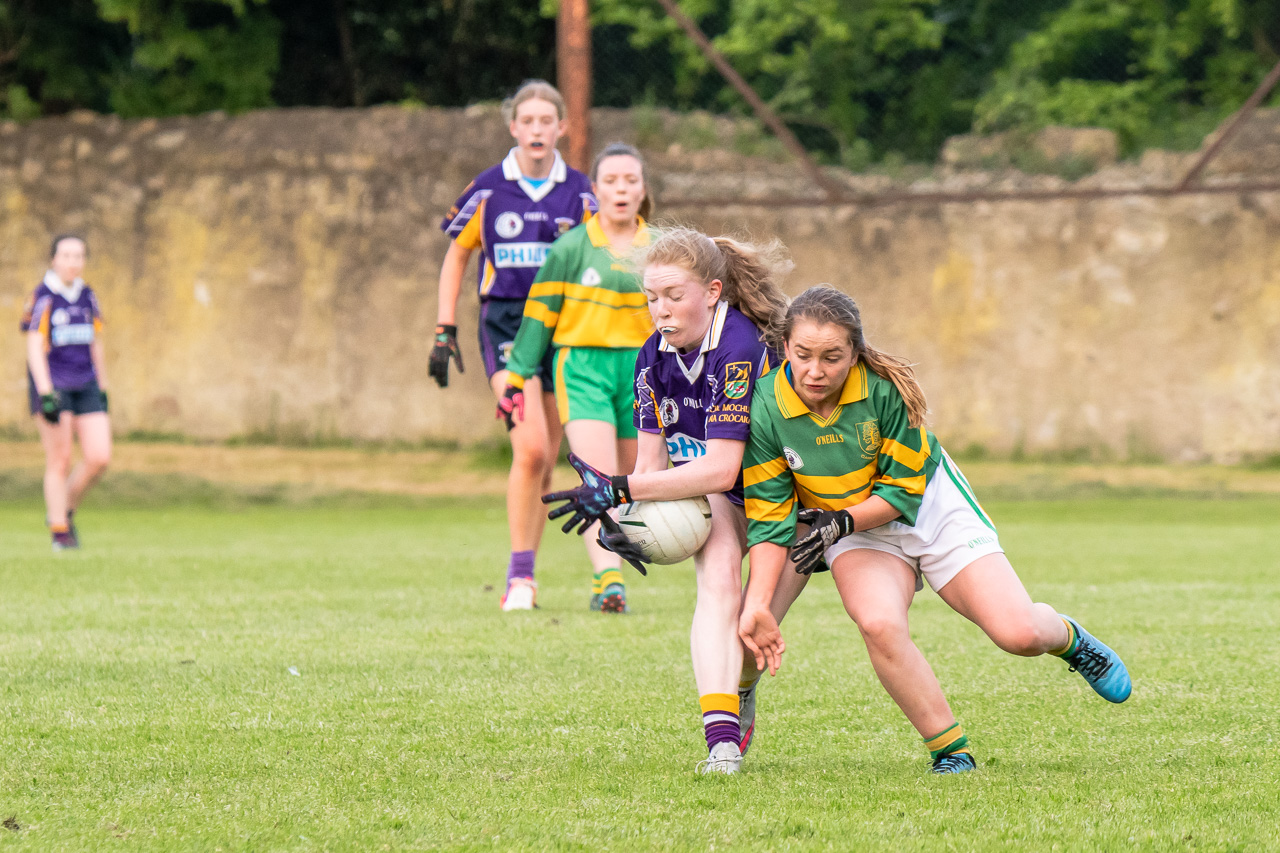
x=622, y=149
x=749, y=272
x=824, y=304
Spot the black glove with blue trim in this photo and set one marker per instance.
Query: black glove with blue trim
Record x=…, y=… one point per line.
x=589, y=502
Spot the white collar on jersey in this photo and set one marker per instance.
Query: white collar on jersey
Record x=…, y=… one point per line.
x=69, y=292
x=710, y=341
x=511, y=171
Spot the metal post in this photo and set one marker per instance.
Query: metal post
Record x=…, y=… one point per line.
x=766, y=115
x=573, y=72
x=1229, y=131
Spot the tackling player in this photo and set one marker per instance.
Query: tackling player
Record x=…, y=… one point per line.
x=709, y=299
x=67, y=384
x=586, y=306
x=838, y=431
x=512, y=213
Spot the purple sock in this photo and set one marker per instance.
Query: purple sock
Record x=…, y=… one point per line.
x=521, y=565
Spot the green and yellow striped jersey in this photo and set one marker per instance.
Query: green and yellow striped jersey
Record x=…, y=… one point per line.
x=583, y=296
x=795, y=458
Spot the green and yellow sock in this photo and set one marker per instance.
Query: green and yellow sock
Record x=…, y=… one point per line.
x=948, y=742
x=603, y=579
x=1073, y=640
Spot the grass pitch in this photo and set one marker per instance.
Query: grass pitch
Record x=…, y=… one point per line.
x=338, y=676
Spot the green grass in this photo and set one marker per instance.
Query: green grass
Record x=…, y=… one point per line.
x=150, y=700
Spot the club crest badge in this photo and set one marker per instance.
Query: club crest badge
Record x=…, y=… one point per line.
x=669, y=411
x=563, y=225
x=508, y=225
x=591, y=278
x=868, y=438
x=737, y=379
x=794, y=462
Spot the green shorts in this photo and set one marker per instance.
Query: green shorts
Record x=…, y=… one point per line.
x=595, y=384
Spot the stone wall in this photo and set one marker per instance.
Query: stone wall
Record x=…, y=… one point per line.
x=276, y=273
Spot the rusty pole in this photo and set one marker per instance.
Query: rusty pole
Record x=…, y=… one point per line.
x=1264, y=88
x=573, y=73
x=767, y=115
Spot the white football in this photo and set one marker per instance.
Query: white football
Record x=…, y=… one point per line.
x=667, y=532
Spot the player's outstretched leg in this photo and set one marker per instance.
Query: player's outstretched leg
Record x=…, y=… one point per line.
x=1096, y=663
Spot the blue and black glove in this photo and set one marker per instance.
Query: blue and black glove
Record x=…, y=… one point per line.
x=826, y=527
x=446, y=347
x=611, y=538
x=50, y=407
x=598, y=494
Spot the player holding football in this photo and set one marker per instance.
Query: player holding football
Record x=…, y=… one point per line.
x=709, y=299
x=67, y=384
x=586, y=306
x=837, y=440
x=512, y=213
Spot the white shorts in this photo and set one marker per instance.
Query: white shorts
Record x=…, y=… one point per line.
x=951, y=531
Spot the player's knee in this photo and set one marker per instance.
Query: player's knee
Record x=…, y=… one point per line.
x=58, y=463
x=532, y=459
x=1019, y=636
x=881, y=629
x=97, y=463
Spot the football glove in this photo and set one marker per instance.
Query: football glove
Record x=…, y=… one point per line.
x=50, y=407
x=826, y=527
x=598, y=494
x=611, y=538
x=446, y=347
x=511, y=403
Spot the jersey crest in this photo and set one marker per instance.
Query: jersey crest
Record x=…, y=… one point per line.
x=737, y=379
x=868, y=438
x=794, y=462
x=508, y=225
x=591, y=278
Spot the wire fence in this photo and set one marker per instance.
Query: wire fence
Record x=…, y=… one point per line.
x=912, y=91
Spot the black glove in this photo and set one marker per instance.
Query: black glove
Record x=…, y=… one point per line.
x=50, y=407
x=512, y=401
x=611, y=538
x=446, y=347
x=589, y=502
x=105, y=406
x=825, y=529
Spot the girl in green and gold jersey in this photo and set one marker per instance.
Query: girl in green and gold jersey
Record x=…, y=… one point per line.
x=586, y=302
x=838, y=442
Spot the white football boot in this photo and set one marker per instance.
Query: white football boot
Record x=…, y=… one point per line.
x=521, y=594
x=725, y=758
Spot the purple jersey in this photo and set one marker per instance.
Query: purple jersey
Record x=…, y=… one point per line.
x=514, y=222
x=68, y=318
x=706, y=394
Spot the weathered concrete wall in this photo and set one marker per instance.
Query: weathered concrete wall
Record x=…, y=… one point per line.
x=276, y=272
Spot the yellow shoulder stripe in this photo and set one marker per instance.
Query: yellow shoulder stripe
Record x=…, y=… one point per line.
x=537, y=311
x=764, y=471
x=910, y=485
x=899, y=452
x=547, y=288
x=760, y=510
x=587, y=293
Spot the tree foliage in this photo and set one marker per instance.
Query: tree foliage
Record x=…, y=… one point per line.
x=856, y=80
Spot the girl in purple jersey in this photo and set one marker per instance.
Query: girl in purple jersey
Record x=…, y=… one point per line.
x=709, y=299
x=513, y=212
x=67, y=384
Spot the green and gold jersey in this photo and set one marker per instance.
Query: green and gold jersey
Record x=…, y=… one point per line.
x=867, y=447
x=583, y=296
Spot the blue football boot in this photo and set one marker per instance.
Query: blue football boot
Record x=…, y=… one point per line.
x=1100, y=666
x=956, y=762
